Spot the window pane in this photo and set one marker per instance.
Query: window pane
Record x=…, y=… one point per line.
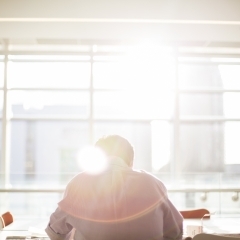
x=210, y=104
x=230, y=179
x=49, y=103
x=194, y=201
x=228, y=206
x=191, y=75
x=109, y=75
x=1, y=170
x=230, y=76
x=1, y=74
x=138, y=134
x=36, y=205
x=231, y=143
x=135, y=72
x=231, y=108
x=49, y=74
x=203, y=104
x=201, y=147
x=45, y=153
x=191, y=200
x=133, y=105
x=161, y=145
x=1, y=103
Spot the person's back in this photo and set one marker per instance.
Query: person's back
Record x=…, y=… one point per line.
x=117, y=204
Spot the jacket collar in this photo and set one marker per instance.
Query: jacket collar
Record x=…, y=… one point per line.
x=115, y=162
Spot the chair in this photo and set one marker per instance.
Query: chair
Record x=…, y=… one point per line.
x=6, y=219
x=195, y=213
x=207, y=236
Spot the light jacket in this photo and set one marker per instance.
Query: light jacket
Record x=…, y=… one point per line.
x=117, y=204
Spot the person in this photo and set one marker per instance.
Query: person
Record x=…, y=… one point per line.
x=120, y=203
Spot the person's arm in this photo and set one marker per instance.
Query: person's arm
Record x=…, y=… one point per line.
x=172, y=222
x=58, y=228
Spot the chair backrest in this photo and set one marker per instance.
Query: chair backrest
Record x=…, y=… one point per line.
x=195, y=213
x=6, y=218
x=207, y=236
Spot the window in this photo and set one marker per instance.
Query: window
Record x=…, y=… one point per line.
x=39, y=73
x=1, y=72
x=49, y=103
x=179, y=112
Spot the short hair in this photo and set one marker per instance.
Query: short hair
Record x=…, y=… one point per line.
x=115, y=145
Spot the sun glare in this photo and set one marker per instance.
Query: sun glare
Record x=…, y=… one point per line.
x=92, y=160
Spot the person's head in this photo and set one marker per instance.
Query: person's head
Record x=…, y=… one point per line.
x=115, y=145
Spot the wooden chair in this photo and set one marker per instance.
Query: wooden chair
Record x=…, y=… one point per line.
x=207, y=236
x=6, y=219
x=195, y=213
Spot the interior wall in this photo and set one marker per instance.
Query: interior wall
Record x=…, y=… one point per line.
x=184, y=20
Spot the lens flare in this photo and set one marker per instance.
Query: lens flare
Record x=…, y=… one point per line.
x=92, y=160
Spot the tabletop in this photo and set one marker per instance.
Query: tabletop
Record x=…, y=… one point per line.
x=25, y=226
x=217, y=224
x=34, y=226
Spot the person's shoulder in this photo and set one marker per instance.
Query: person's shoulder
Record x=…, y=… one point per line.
x=76, y=178
x=146, y=174
x=149, y=176
x=151, y=181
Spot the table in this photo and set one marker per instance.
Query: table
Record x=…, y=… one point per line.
x=216, y=224
x=21, y=227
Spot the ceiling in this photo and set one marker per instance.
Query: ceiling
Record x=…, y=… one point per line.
x=204, y=23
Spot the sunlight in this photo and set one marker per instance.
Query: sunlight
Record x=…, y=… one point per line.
x=230, y=78
x=231, y=142
x=145, y=68
x=92, y=160
x=146, y=79
x=160, y=144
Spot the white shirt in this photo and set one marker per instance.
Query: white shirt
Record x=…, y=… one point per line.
x=118, y=204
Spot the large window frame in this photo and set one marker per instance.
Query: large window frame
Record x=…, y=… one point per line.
x=181, y=56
